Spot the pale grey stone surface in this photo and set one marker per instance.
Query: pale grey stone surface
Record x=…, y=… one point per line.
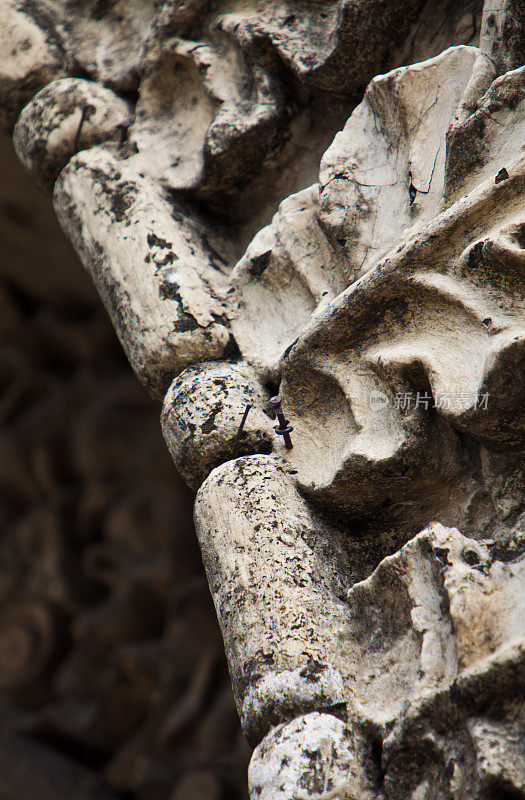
x=372, y=572
x=314, y=756
x=67, y=115
x=162, y=284
x=202, y=413
x=277, y=576
x=31, y=55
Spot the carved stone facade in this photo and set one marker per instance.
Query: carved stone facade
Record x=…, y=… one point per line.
x=369, y=580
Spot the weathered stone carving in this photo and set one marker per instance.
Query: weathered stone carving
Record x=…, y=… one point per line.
x=366, y=580
x=64, y=112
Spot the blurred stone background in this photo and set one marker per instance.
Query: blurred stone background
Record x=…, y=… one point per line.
x=113, y=682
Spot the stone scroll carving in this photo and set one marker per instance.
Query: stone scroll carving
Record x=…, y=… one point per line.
x=369, y=580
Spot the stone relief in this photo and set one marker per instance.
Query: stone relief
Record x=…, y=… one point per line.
x=369, y=580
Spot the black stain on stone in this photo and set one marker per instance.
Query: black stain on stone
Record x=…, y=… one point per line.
x=258, y=264
x=157, y=241
x=442, y=554
x=184, y=323
x=209, y=425
x=122, y=199
x=170, y=290
x=221, y=319
x=256, y=666
x=169, y=258
x=313, y=671
x=121, y=194
x=470, y=557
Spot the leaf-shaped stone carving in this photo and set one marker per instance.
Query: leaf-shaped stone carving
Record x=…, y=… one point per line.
x=436, y=307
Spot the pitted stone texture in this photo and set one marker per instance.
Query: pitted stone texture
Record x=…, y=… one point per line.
x=162, y=283
x=281, y=695
x=339, y=46
x=439, y=607
x=487, y=602
x=276, y=575
x=434, y=609
x=435, y=325
x=480, y=146
x=446, y=707
x=312, y=758
x=202, y=412
x=439, y=322
x=391, y=283
x=216, y=101
x=31, y=54
x=466, y=743
x=429, y=614
x=499, y=753
x=68, y=115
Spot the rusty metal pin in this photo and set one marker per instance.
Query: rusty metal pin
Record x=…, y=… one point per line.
x=79, y=129
x=239, y=432
x=283, y=429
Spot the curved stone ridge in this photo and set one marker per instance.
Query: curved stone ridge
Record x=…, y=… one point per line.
x=379, y=380
x=67, y=115
x=202, y=414
x=162, y=283
x=467, y=743
x=312, y=757
x=215, y=81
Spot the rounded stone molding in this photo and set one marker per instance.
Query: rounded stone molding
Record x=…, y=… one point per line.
x=66, y=116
